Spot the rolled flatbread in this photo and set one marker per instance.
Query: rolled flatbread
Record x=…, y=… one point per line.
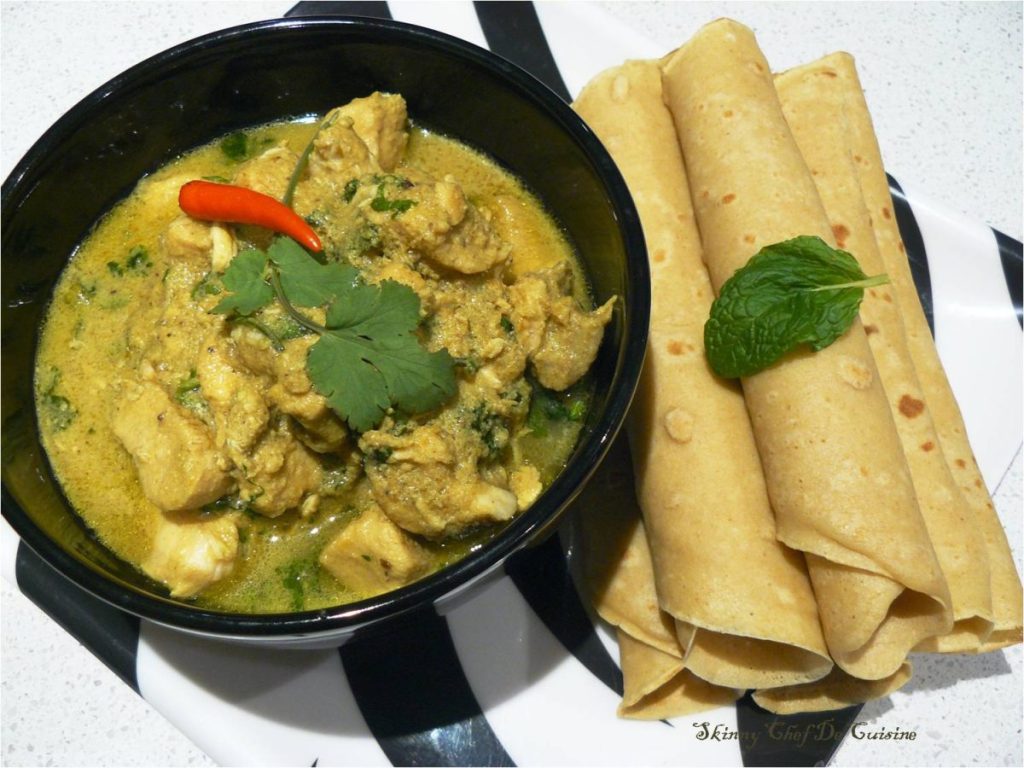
x=618, y=575
x=658, y=686
x=833, y=462
x=1005, y=585
x=719, y=568
x=813, y=103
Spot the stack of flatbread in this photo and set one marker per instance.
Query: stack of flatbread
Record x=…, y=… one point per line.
x=799, y=533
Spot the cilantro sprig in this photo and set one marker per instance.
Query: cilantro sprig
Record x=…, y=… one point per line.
x=368, y=358
x=801, y=291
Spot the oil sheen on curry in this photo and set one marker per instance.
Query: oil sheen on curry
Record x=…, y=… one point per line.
x=265, y=429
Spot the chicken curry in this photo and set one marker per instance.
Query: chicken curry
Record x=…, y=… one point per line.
x=264, y=429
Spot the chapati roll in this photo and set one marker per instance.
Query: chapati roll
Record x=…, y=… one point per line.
x=1006, y=592
x=657, y=685
x=619, y=577
x=834, y=466
x=813, y=102
x=617, y=568
x=742, y=600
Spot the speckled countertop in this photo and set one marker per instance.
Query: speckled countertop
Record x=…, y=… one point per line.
x=944, y=83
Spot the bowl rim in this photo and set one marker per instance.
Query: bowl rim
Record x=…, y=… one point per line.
x=527, y=526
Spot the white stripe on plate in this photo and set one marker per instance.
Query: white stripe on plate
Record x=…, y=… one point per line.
x=453, y=17
x=607, y=44
x=976, y=332
x=548, y=709
x=244, y=705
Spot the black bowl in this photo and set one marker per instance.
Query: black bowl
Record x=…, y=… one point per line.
x=93, y=156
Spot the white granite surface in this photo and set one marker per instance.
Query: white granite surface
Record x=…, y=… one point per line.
x=944, y=83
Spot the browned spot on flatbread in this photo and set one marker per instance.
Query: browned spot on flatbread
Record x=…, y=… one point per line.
x=961, y=463
x=902, y=249
x=727, y=113
x=658, y=255
x=869, y=329
x=927, y=446
x=705, y=193
x=675, y=347
x=748, y=239
x=977, y=482
x=886, y=213
x=728, y=198
x=858, y=158
x=841, y=233
x=828, y=73
x=911, y=406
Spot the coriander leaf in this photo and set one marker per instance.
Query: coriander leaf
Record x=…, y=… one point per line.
x=245, y=281
x=138, y=259
x=381, y=203
x=370, y=358
x=341, y=371
x=800, y=291
x=235, y=146
x=376, y=310
x=307, y=282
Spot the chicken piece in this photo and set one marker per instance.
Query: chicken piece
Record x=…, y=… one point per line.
x=570, y=343
x=203, y=244
x=525, y=484
x=235, y=398
x=560, y=339
x=293, y=393
x=438, y=222
x=421, y=485
x=191, y=552
x=531, y=303
x=279, y=473
x=178, y=465
x=379, y=120
x=471, y=320
x=373, y=555
x=339, y=154
x=269, y=172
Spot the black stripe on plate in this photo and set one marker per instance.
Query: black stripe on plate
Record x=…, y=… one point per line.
x=1012, y=257
x=910, y=232
x=110, y=634
x=377, y=10
x=807, y=739
x=415, y=698
x=542, y=576
x=513, y=31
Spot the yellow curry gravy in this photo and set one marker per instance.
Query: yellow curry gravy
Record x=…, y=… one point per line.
x=106, y=301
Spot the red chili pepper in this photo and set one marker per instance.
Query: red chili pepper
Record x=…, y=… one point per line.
x=210, y=201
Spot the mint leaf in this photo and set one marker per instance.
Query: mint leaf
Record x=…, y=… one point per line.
x=370, y=358
x=800, y=291
x=246, y=281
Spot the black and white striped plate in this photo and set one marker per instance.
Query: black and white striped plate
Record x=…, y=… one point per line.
x=522, y=674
